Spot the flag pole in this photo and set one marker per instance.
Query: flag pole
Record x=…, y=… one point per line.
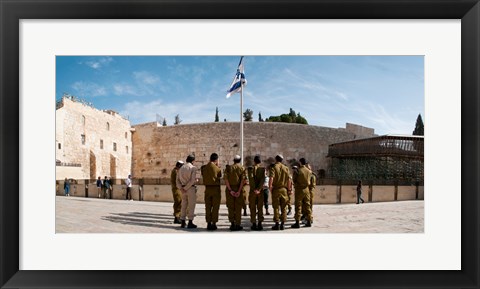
x=241, y=121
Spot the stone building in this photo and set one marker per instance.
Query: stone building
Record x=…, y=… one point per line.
x=156, y=148
x=91, y=142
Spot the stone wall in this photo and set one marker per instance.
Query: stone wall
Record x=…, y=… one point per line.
x=74, y=121
x=157, y=148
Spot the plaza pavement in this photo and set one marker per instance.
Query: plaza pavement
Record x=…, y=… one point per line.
x=89, y=215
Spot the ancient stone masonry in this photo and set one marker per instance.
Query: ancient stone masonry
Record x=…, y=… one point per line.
x=156, y=148
x=99, y=141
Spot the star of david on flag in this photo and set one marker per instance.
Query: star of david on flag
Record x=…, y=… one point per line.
x=239, y=80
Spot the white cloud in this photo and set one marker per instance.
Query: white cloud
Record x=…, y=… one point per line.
x=88, y=89
x=145, y=77
x=98, y=63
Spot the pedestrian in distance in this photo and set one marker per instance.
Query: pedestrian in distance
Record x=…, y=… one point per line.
x=176, y=193
x=66, y=187
x=107, y=186
x=128, y=183
x=99, y=186
x=359, y=192
x=212, y=174
x=186, y=182
x=281, y=186
x=265, y=193
x=235, y=180
x=301, y=181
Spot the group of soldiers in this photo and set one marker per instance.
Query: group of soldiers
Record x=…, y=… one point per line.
x=236, y=177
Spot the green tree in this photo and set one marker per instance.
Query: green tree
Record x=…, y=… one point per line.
x=216, y=115
x=260, y=116
x=248, y=115
x=177, y=119
x=291, y=117
x=418, y=126
x=164, y=123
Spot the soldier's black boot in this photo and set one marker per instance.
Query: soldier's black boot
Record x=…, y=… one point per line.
x=296, y=225
x=308, y=224
x=259, y=227
x=176, y=220
x=281, y=226
x=254, y=227
x=267, y=212
x=191, y=225
x=209, y=226
x=238, y=228
x=183, y=224
x=276, y=227
x=214, y=226
x=232, y=227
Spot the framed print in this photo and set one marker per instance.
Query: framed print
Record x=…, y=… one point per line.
x=34, y=254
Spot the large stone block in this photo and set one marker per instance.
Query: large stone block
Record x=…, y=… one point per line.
x=349, y=194
x=383, y=193
x=325, y=194
x=406, y=193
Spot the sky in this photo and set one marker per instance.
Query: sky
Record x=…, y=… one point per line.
x=381, y=92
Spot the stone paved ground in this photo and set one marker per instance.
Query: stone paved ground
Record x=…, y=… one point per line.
x=83, y=215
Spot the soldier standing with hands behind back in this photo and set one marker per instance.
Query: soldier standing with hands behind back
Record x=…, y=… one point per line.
x=234, y=181
x=186, y=179
x=281, y=186
x=212, y=174
x=256, y=177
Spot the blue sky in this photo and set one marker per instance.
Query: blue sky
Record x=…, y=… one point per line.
x=382, y=92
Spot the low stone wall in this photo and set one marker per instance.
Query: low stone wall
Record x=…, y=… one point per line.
x=324, y=194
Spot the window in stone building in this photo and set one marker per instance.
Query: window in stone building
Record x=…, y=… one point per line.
x=114, y=146
x=83, y=139
x=108, y=126
x=83, y=119
x=126, y=135
x=59, y=146
x=101, y=144
x=127, y=149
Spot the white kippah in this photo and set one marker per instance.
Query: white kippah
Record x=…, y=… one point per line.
x=237, y=157
x=180, y=162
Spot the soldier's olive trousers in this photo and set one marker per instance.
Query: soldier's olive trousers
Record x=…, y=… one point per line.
x=302, y=203
x=212, y=203
x=304, y=210
x=279, y=204
x=255, y=202
x=177, y=202
x=189, y=200
x=234, y=206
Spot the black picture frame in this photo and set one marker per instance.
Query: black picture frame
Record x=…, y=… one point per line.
x=12, y=11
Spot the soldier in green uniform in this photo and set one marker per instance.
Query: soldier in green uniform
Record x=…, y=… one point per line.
x=234, y=181
x=212, y=174
x=177, y=195
x=301, y=181
x=281, y=186
x=311, y=189
x=256, y=177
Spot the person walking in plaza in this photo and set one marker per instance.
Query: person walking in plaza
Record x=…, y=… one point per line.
x=234, y=181
x=66, y=187
x=99, y=186
x=359, y=192
x=301, y=181
x=212, y=174
x=256, y=177
x=106, y=187
x=186, y=181
x=281, y=186
x=128, y=183
x=176, y=193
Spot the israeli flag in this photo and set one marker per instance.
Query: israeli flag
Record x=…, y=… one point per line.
x=238, y=80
